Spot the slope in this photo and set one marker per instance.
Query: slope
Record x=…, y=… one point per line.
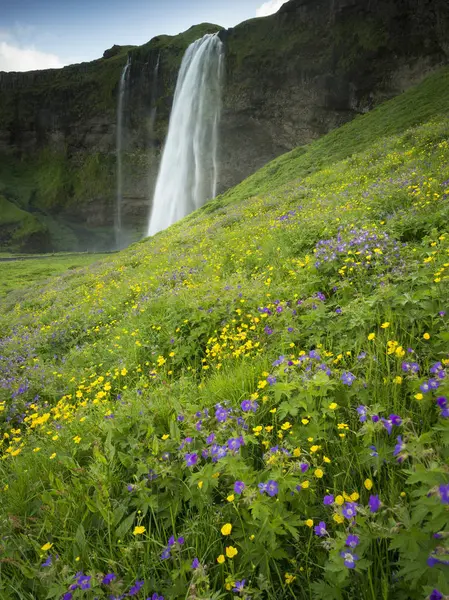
x=253, y=402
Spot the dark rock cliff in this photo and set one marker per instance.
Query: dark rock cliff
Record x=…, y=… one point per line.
x=290, y=78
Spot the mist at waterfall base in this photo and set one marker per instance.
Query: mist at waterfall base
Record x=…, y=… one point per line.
x=188, y=171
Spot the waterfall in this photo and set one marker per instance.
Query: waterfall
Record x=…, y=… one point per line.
x=154, y=89
x=188, y=171
x=119, y=142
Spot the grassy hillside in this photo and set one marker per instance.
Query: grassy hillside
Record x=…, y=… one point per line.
x=253, y=403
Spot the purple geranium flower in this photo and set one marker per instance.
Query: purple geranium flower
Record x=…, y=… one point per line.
x=238, y=586
x=195, y=563
x=135, y=589
x=109, y=578
x=239, y=486
x=272, y=488
x=329, y=499
x=48, y=562
x=352, y=541
x=436, y=595
x=350, y=510
x=362, y=410
x=398, y=448
x=191, y=458
x=347, y=378
x=350, y=559
x=443, y=492
x=320, y=529
x=374, y=503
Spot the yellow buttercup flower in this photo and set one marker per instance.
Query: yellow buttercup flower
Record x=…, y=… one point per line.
x=355, y=496
x=230, y=498
x=333, y=405
x=46, y=547
x=200, y=484
x=419, y=396
x=385, y=325
x=309, y=522
x=426, y=336
x=231, y=551
x=368, y=484
x=289, y=578
x=165, y=436
x=319, y=473
x=220, y=559
x=339, y=500
x=139, y=529
x=338, y=518
x=371, y=336
x=226, y=529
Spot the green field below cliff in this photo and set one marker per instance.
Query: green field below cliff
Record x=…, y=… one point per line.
x=252, y=403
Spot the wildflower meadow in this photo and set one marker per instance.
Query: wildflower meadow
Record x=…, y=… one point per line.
x=252, y=404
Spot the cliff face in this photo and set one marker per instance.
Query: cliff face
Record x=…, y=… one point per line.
x=290, y=78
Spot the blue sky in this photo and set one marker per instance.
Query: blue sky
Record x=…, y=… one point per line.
x=39, y=34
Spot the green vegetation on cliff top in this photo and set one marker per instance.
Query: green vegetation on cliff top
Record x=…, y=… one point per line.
x=251, y=403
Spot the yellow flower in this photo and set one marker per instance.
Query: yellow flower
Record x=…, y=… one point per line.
x=220, y=559
x=326, y=459
x=319, y=473
x=36, y=449
x=286, y=426
x=138, y=529
x=231, y=551
x=252, y=537
x=123, y=372
x=46, y=547
x=419, y=396
x=309, y=522
x=77, y=439
x=315, y=448
x=398, y=379
x=226, y=529
x=339, y=500
x=230, y=498
x=371, y=336
x=355, y=496
x=273, y=410
x=338, y=518
x=305, y=485
x=53, y=456
x=333, y=405
x=200, y=484
x=297, y=452
x=426, y=336
x=165, y=436
x=368, y=484
x=403, y=494
x=385, y=325
x=289, y=578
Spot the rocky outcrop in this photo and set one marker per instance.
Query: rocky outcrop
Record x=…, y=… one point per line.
x=290, y=78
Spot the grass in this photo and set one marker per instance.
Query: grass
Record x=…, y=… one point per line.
x=252, y=403
x=23, y=271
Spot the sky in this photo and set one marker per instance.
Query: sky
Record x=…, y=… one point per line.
x=42, y=34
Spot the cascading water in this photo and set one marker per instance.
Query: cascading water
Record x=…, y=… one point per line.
x=188, y=172
x=120, y=110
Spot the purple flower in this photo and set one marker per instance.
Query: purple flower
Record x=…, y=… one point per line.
x=210, y=438
x=347, y=378
x=350, y=510
x=239, y=585
x=424, y=387
x=180, y=540
x=239, y=486
x=443, y=492
x=436, y=595
x=373, y=451
x=191, y=458
x=135, y=589
x=375, y=418
x=271, y=379
x=48, y=562
x=272, y=488
x=304, y=467
x=268, y=330
x=84, y=581
x=246, y=405
x=165, y=554
x=195, y=563
x=329, y=499
x=442, y=401
x=156, y=596
x=350, y=559
x=392, y=420
x=352, y=541
x=109, y=578
x=433, y=384
x=362, y=410
x=374, y=503
x=398, y=448
x=180, y=418
x=67, y=596
x=235, y=443
x=320, y=529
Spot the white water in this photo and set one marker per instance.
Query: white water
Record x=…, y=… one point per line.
x=120, y=109
x=189, y=167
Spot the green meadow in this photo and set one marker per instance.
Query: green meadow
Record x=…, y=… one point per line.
x=252, y=403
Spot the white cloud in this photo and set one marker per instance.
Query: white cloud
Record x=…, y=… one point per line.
x=270, y=7
x=17, y=58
